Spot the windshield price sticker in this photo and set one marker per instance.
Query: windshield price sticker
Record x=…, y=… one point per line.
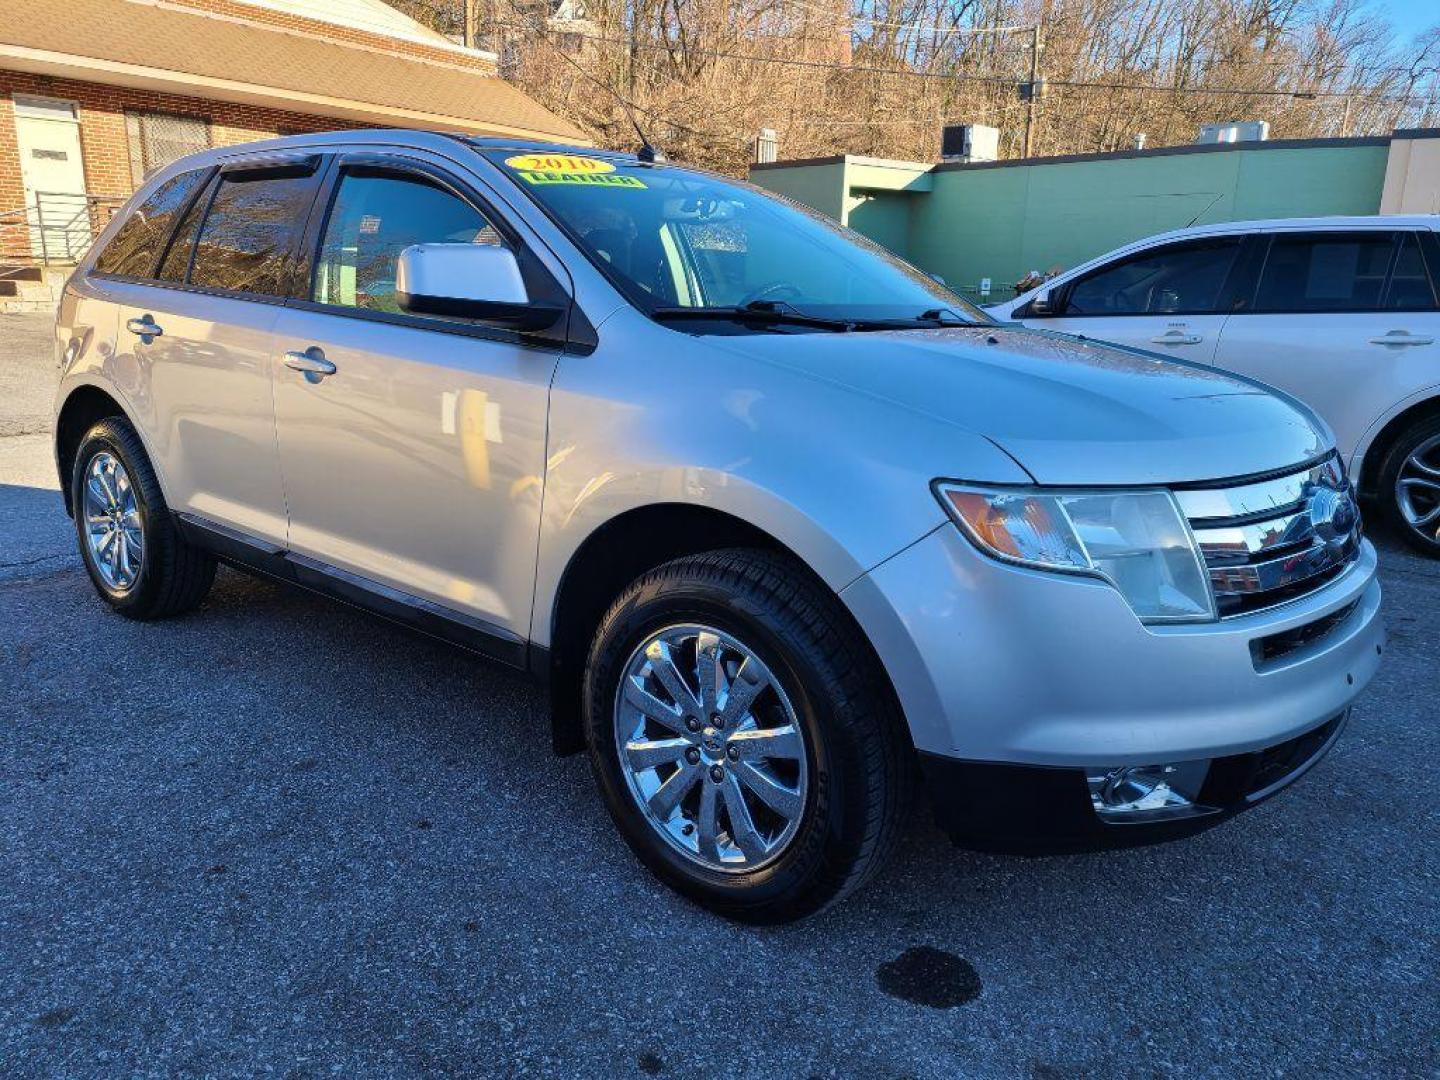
x=570, y=169
x=585, y=180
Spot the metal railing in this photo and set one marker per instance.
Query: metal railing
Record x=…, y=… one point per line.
x=54, y=227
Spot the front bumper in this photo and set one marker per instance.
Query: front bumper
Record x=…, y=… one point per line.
x=1004, y=666
x=1046, y=809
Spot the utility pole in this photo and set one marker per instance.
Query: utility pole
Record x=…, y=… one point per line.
x=1345, y=118
x=468, y=33
x=1033, y=89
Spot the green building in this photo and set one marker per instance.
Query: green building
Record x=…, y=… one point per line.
x=969, y=222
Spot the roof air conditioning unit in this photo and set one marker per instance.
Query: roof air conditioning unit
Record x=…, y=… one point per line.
x=1235, y=131
x=969, y=142
x=767, y=146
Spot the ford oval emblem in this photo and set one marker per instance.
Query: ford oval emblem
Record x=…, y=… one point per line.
x=1333, y=516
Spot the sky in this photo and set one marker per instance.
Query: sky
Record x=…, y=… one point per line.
x=1410, y=17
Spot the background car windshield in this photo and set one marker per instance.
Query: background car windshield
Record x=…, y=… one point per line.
x=670, y=237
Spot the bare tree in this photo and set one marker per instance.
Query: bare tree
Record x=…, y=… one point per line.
x=881, y=76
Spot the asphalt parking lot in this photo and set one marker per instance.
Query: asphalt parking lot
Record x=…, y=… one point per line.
x=280, y=837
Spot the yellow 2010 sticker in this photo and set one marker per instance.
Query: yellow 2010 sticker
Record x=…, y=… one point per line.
x=560, y=163
x=569, y=169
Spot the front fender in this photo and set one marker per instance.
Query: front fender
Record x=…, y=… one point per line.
x=658, y=417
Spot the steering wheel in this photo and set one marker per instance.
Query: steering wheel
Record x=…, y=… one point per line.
x=777, y=291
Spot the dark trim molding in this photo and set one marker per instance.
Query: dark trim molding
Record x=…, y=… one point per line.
x=1168, y=151
x=1123, y=155
x=797, y=163
x=247, y=553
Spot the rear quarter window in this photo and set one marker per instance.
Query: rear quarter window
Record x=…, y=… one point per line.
x=134, y=249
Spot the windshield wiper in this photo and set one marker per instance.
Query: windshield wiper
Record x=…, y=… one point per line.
x=765, y=312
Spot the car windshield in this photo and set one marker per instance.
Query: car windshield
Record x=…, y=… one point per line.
x=687, y=245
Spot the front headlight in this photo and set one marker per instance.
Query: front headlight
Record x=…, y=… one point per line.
x=1136, y=540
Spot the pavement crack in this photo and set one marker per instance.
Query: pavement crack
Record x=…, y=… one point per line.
x=32, y=562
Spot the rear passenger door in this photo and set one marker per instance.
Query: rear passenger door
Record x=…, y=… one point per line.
x=418, y=462
x=197, y=330
x=1171, y=299
x=1345, y=320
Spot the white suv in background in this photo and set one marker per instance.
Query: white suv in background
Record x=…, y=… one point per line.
x=1342, y=312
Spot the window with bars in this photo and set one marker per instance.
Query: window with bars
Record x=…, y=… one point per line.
x=157, y=139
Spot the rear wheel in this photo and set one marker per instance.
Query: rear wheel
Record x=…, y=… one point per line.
x=1409, y=485
x=137, y=559
x=742, y=736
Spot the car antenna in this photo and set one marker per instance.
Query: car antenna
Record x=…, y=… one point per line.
x=647, y=152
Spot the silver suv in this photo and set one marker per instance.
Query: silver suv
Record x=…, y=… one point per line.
x=784, y=524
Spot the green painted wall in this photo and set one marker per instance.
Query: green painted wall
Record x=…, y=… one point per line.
x=883, y=216
x=1002, y=222
x=820, y=187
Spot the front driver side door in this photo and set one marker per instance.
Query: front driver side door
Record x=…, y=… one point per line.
x=418, y=464
x=1172, y=299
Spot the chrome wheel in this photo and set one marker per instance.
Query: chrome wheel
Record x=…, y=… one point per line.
x=1417, y=489
x=711, y=748
x=112, y=523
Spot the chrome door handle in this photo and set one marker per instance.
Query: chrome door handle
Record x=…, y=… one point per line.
x=1401, y=337
x=145, y=326
x=1177, y=337
x=311, y=362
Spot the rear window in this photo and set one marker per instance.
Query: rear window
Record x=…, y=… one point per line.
x=1325, y=272
x=1411, y=288
x=133, y=250
x=248, y=233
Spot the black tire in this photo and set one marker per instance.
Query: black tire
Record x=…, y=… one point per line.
x=173, y=575
x=861, y=762
x=1421, y=431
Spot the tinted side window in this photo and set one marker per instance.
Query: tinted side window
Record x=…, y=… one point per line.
x=1179, y=279
x=1325, y=272
x=133, y=250
x=177, y=257
x=248, y=232
x=373, y=219
x=1411, y=288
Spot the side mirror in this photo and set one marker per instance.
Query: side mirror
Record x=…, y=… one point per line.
x=1040, y=305
x=469, y=281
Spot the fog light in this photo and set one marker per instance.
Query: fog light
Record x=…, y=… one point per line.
x=1148, y=791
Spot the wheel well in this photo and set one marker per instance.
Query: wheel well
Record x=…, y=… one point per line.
x=83, y=409
x=609, y=560
x=1380, y=445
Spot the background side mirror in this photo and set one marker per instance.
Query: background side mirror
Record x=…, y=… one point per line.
x=469, y=281
x=1040, y=305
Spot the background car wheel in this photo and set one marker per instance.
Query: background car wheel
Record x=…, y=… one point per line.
x=1409, y=485
x=137, y=560
x=743, y=737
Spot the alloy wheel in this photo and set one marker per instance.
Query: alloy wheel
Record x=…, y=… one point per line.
x=711, y=748
x=1417, y=489
x=113, y=531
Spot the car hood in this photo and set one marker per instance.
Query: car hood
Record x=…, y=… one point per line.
x=1068, y=411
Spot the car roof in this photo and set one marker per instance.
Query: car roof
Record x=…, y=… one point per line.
x=433, y=140
x=1238, y=228
x=1338, y=221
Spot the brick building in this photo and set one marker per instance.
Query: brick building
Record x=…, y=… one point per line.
x=96, y=94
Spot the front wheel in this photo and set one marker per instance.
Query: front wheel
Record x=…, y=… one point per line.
x=1409, y=485
x=743, y=738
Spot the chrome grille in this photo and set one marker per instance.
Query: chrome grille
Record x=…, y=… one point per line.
x=1269, y=541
